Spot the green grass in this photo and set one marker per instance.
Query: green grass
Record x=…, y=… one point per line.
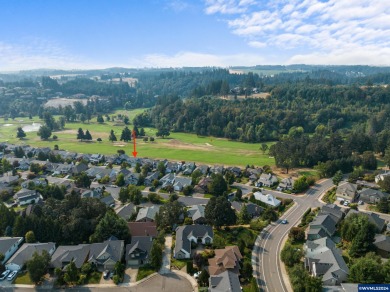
x=308, y=173
x=178, y=146
x=23, y=278
x=143, y=272
x=94, y=278
x=178, y=264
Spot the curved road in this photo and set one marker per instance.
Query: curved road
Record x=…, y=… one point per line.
x=265, y=255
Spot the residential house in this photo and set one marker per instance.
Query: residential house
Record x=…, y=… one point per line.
x=191, y=234
x=266, y=180
x=202, y=186
x=79, y=168
x=8, y=246
x=25, y=253
x=196, y=213
x=253, y=209
x=178, y=182
x=150, y=178
x=9, y=180
x=323, y=259
x=286, y=184
x=143, y=229
x=108, y=201
x=226, y=281
x=132, y=178
x=346, y=191
x=236, y=171
x=228, y=258
x=65, y=254
x=147, y=213
x=172, y=167
x=63, y=169
x=96, y=158
x=334, y=211
x=126, y=211
x=26, y=196
x=366, y=184
x=91, y=194
x=371, y=196
x=372, y=217
x=100, y=172
x=105, y=255
x=204, y=169
x=381, y=176
x=267, y=199
x=138, y=251
x=188, y=168
x=382, y=244
x=324, y=222
x=35, y=182
x=217, y=169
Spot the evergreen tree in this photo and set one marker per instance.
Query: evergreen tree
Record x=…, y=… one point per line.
x=100, y=119
x=80, y=134
x=112, y=136
x=156, y=255
x=142, y=132
x=126, y=135
x=88, y=136
x=243, y=216
x=20, y=133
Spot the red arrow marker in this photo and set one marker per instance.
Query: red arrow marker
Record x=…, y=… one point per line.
x=134, y=152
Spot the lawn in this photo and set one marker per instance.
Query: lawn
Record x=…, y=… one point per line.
x=23, y=278
x=177, y=146
x=144, y=272
x=178, y=264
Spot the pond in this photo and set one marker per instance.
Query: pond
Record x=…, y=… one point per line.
x=32, y=128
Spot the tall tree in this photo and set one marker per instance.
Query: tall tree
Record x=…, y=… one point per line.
x=80, y=134
x=20, y=133
x=219, y=212
x=111, y=224
x=156, y=255
x=88, y=136
x=112, y=136
x=38, y=265
x=367, y=270
x=44, y=132
x=126, y=135
x=218, y=185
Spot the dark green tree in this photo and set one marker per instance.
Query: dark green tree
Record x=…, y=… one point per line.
x=170, y=214
x=156, y=255
x=218, y=212
x=80, y=134
x=38, y=265
x=100, y=119
x=120, y=180
x=367, y=270
x=126, y=135
x=337, y=177
x=44, y=132
x=218, y=185
x=111, y=224
x=20, y=133
x=243, y=215
x=112, y=136
x=83, y=181
x=30, y=237
x=88, y=136
x=290, y=255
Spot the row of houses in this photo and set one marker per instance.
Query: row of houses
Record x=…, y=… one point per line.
x=322, y=257
x=353, y=193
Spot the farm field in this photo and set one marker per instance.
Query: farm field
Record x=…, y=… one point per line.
x=177, y=146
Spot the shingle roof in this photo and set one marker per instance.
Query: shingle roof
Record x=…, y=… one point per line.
x=382, y=242
x=7, y=242
x=147, y=212
x=67, y=253
x=143, y=243
x=225, y=282
x=143, y=228
x=25, y=252
x=183, y=232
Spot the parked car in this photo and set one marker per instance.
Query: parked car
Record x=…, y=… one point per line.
x=106, y=274
x=346, y=203
x=12, y=275
x=284, y=221
x=196, y=275
x=4, y=275
x=361, y=202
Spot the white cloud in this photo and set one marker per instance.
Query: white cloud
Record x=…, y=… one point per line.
x=35, y=53
x=328, y=29
x=193, y=59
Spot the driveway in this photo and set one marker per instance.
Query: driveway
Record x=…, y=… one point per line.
x=130, y=275
x=166, y=264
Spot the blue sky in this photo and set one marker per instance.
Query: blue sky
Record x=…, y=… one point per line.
x=78, y=34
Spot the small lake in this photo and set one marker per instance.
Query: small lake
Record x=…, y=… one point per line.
x=34, y=127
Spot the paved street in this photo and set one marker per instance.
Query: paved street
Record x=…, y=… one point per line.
x=265, y=255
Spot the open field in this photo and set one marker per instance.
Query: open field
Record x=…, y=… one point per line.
x=178, y=146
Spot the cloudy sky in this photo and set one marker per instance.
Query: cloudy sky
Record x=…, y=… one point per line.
x=78, y=34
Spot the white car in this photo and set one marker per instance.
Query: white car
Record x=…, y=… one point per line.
x=196, y=275
x=346, y=203
x=361, y=203
x=12, y=275
x=4, y=275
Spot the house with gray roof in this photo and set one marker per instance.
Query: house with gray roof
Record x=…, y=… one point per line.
x=178, y=182
x=381, y=176
x=104, y=255
x=138, y=251
x=25, y=253
x=372, y=217
x=202, y=168
x=188, y=168
x=8, y=246
x=382, y=243
x=188, y=234
x=35, y=182
x=8, y=180
x=126, y=211
x=324, y=222
x=147, y=213
x=65, y=254
x=108, y=201
x=225, y=282
x=266, y=180
x=346, y=191
x=253, y=209
x=286, y=184
x=26, y=196
x=150, y=178
x=100, y=172
x=334, y=211
x=323, y=259
x=371, y=196
x=196, y=213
